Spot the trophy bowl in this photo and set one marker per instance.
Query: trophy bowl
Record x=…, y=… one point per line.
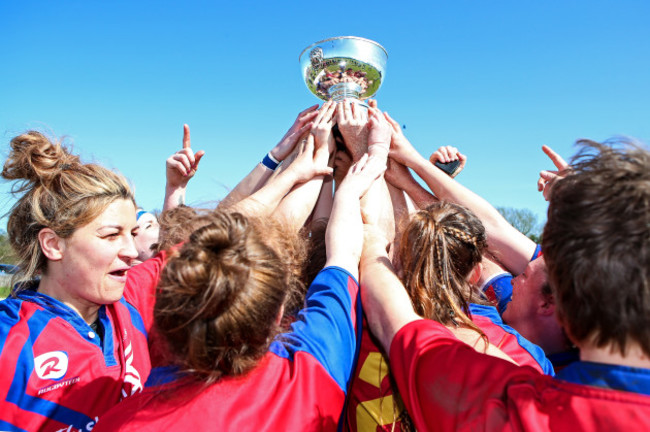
x=343, y=67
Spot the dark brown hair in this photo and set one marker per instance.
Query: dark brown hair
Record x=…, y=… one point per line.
x=597, y=245
x=220, y=294
x=439, y=248
x=59, y=192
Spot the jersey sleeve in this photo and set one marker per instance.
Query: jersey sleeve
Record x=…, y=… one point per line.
x=498, y=290
x=520, y=349
x=447, y=385
x=140, y=289
x=326, y=327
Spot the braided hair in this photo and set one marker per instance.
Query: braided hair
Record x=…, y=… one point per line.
x=440, y=247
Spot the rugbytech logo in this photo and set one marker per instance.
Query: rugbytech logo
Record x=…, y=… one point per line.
x=52, y=365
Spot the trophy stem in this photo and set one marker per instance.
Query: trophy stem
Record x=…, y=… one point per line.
x=345, y=90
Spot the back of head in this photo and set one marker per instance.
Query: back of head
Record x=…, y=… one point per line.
x=596, y=245
x=439, y=248
x=220, y=296
x=58, y=192
x=177, y=224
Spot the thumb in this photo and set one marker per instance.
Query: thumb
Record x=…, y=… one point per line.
x=197, y=158
x=548, y=175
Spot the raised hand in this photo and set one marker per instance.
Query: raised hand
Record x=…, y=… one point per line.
x=306, y=165
x=447, y=154
x=362, y=174
x=288, y=142
x=397, y=174
x=379, y=133
x=182, y=165
x=352, y=123
x=321, y=127
x=400, y=147
x=547, y=177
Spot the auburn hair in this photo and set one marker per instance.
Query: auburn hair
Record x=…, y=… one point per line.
x=221, y=293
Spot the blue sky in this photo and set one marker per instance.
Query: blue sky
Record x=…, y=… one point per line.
x=497, y=79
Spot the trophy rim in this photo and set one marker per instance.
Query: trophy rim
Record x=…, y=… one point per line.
x=343, y=37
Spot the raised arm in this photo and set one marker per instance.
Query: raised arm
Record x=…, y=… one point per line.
x=263, y=170
x=353, y=124
x=344, y=236
x=299, y=203
x=180, y=168
x=385, y=302
x=512, y=247
x=547, y=177
x=447, y=154
x=304, y=168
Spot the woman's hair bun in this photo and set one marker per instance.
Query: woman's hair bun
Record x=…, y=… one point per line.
x=226, y=230
x=34, y=158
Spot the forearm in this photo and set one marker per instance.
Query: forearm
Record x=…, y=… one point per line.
x=514, y=248
x=377, y=208
x=174, y=196
x=420, y=196
x=296, y=207
x=323, y=207
x=266, y=199
x=247, y=186
x=344, y=235
x=385, y=301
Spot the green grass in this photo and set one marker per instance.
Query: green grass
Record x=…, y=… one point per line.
x=4, y=291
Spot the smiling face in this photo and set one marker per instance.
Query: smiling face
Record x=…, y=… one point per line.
x=147, y=235
x=96, y=258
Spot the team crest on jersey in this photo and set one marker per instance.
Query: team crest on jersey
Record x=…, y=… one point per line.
x=52, y=365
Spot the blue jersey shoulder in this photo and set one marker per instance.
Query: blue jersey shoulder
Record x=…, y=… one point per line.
x=535, y=351
x=325, y=328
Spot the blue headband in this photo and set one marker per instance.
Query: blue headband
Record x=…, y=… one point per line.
x=139, y=213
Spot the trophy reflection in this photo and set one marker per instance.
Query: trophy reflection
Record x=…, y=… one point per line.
x=344, y=67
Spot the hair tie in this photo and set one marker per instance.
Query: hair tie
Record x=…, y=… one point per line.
x=452, y=316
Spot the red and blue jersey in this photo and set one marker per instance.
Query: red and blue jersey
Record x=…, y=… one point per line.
x=372, y=404
x=498, y=290
x=615, y=377
x=58, y=374
x=300, y=384
x=508, y=340
x=447, y=386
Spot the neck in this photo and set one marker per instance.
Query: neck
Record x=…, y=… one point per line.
x=52, y=288
x=633, y=357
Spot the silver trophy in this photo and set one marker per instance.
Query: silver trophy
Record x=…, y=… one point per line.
x=344, y=67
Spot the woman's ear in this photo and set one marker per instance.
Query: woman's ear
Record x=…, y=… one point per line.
x=51, y=244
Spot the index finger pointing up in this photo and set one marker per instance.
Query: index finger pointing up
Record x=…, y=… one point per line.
x=557, y=160
x=186, y=136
